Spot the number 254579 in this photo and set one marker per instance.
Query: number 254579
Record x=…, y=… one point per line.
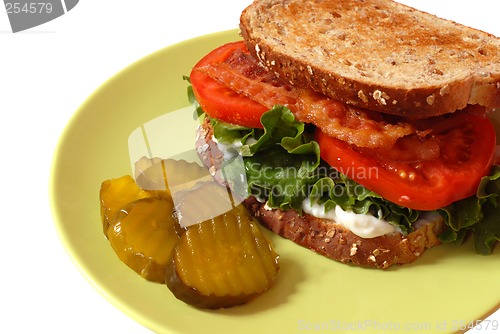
x=28, y=8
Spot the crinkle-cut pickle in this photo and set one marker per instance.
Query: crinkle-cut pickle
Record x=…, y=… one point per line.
x=114, y=194
x=143, y=235
x=222, y=262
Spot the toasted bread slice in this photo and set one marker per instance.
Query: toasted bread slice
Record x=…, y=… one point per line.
x=375, y=54
x=335, y=241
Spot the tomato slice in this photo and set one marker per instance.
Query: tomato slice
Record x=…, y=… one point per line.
x=217, y=100
x=466, y=155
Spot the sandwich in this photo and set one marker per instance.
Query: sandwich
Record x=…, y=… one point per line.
x=362, y=127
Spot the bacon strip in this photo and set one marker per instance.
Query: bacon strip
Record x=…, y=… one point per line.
x=355, y=126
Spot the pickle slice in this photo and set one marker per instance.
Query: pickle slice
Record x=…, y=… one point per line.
x=143, y=235
x=114, y=194
x=222, y=262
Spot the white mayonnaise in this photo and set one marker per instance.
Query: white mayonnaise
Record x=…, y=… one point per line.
x=231, y=150
x=365, y=226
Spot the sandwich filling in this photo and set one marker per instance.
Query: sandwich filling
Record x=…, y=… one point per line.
x=302, y=150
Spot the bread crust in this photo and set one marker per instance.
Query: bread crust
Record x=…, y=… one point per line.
x=325, y=236
x=410, y=71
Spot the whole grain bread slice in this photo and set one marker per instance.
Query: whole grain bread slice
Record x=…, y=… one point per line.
x=375, y=54
x=333, y=240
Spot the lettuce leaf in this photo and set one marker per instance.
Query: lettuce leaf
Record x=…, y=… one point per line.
x=478, y=215
x=198, y=111
x=280, y=160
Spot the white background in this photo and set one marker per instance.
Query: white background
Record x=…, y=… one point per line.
x=45, y=74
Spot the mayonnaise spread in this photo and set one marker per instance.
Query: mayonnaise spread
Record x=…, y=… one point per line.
x=363, y=225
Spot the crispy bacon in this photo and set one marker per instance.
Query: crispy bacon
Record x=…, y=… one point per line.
x=358, y=127
x=409, y=149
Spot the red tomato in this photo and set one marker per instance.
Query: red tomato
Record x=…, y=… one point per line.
x=220, y=102
x=466, y=155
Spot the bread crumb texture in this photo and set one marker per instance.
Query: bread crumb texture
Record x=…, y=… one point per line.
x=381, y=51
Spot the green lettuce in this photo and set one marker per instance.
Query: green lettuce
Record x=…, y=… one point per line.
x=478, y=215
x=198, y=111
x=280, y=160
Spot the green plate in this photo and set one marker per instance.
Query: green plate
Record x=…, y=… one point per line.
x=441, y=292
